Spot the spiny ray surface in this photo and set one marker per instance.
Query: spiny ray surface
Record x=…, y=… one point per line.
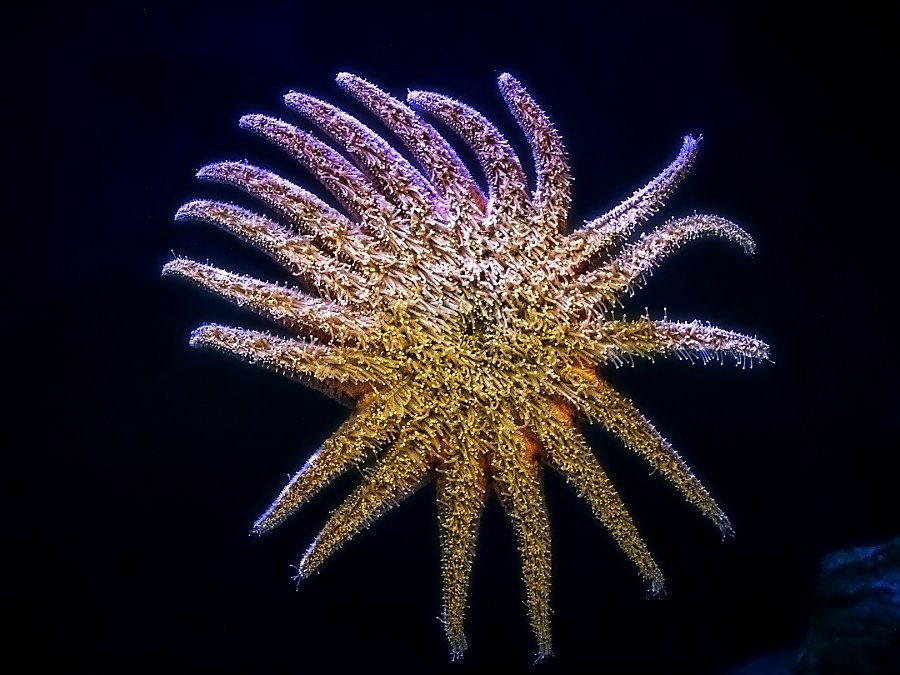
x=466, y=328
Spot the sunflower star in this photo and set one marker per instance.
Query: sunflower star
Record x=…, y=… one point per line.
x=465, y=329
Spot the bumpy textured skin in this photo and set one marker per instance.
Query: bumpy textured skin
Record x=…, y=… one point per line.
x=465, y=329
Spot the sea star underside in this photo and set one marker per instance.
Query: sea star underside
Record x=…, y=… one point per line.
x=464, y=327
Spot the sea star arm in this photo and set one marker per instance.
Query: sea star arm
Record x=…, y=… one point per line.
x=417, y=229
x=302, y=208
x=597, y=236
x=396, y=475
x=690, y=340
x=395, y=177
x=617, y=415
x=606, y=284
x=391, y=237
x=552, y=194
x=355, y=192
x=321, y=366
x=501, y=167
x=461, y=490
x=444, y=168
x=295, y=252
x=517, y=480
x=283, y=305
x=358, y=438
x=564, y=449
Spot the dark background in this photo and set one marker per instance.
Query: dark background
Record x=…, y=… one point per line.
x=135, y=466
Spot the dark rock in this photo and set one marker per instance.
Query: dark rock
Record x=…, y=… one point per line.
x=855, y=629
x=779, y=662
